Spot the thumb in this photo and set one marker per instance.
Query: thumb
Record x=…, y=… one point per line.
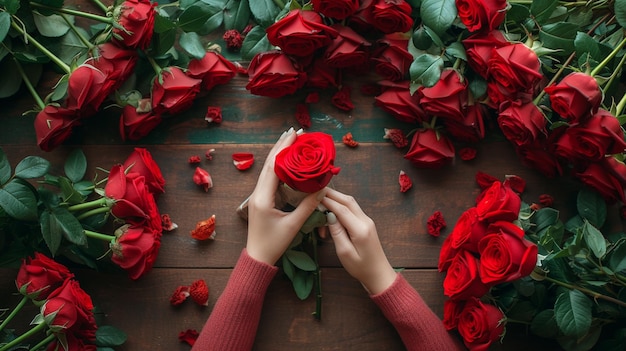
x=306, y=207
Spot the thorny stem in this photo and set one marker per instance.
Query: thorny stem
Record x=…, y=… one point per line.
x=606, y=60
x=29, y=86
x=586, y=291
x=87, y=15
x=318, y=282
x=39, y=327
x=28, y=38
x=14, y=312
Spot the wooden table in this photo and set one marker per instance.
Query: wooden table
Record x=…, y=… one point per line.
x=350, y=320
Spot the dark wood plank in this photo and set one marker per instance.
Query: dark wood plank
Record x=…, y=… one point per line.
x=350, y=320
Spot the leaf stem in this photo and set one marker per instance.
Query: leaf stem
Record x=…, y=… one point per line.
x=101, y=202
x=606, y=60
x=93, y=212
x=65, y=10
x=80, y=36
x=39, y=327
x=43, y=343
x=14, y=312
x=586, y=291
x=155, y=65
x=99, y=236
x=35, y=43
x=102, y=6
x=29, y=86
x=620, y=106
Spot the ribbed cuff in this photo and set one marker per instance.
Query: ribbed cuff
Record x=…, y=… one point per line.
x=256, y=275
x=398, y=295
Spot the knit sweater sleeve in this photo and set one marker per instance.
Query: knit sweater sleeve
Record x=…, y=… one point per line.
x=233, y=322
x=418, y=326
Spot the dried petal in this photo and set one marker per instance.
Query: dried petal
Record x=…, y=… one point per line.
x=467, y=153
x=303, y=116
x=203, y=178
x=243, y=160
x=199, y=292
x=435, y=223
x=397, y=137
x=167, y=223
x=517, y=183
x=204, y=229
x=405, y=182
x=209, y=154
x=546, y=200
x=189, y=336
x=213, y=114
x=485, y=180
x=194, y=159
x=180, y=295
x=312, y=97
x=342, y=99
x=349, y=140
x=233, y=39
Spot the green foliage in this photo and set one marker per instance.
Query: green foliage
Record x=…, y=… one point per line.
x=426, y=69
x=108, y=336
x=254, y=43
x=438, y=14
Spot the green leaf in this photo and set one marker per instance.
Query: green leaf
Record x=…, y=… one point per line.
x=11, y=6
x=301, y=260
x=288, y=267
x=71, y=47
x=108, y=335
x=592, y=207
x=620, y=12
x=544, y=325
x=18, y=200
x=517, y=13
x=5, y=24
x=11, y=79
x=50, y=232
x=617, y=261
x=457, y=51
x=68, y=224
x=162, y=24
x=190, y=42
x=594, y=239
x=32, y=167
x=84, y=187
x=542, y=9
x=213, y=22
x=237, y=15
x=193, y=18
x=70, y=195
x=572, y=311
x=5, y=168
x=426, y=69
x=421, y=39
x=264, y=11
x=53, y=26
x=584, y=343
x=315, y=220
x=303, y=284
x=75, y=166
x=438, y=14
x=545, y=217
x=254, y=43
x=559, y=36
x=584, y=43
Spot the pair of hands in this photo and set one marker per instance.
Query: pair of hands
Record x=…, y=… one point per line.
x=270, y=231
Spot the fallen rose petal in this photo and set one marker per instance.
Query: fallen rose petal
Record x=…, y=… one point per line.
x=189, y=336
x=517, y=183
x=213, y=114
x=194, y=159
x=243, y=160
x=167, y=224
x=435, y=223
x=349, y=140
x=397, y=137
x=312, y=97
x=467, y=153
x=546, y=200
x=405, y=182
x=204, y=229
x=485, y=180
x=303, y=116
x=342, y=99
x=209, y=154
x=203, y=178
x=199, y=292
x=180, y=295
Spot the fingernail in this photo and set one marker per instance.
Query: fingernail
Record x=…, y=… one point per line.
x=331, y=218
x=300, y=131
x=283, y=135
x=321, y=194
x=290, y=130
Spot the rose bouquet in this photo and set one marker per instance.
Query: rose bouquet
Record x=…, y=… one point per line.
x=66, y=319
x=508, y=262
x=62, y=216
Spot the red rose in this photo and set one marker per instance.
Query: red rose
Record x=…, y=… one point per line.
x=68, y=307
x=321, y=75
x=130, y=194
x=117, y=63
x=468, y=231
x=141, y=161
x=213, y=69
x=589, y=141
x=479, y=48
x=307, y=165
x=40, y=275
x=430, y=149
x=446, y=254
x=273, y=74
x=348, y=49
x=505, y=255
x=576, y=97
x=539, y=157
x=361, y=21
x=399, y=102
x=393, y=60
x=516, y=70
x=521, y=123
x=300, y=33
x=451, y=312
x=341, y=99
x=391, y=16
x=87, y=88
x=337, y=9
x=607, y=178
x=480, y=324
x=481, y=15
x=135, y=125
x=498, y=203
x=447, y=98
x=53, y=125
x=73, y=342
x=471, y=128
x=462, y=279
x=174, y=91
x=137, y=18
x=135, y=249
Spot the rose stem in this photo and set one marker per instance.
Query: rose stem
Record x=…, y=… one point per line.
x=102, y=6
x=608, y=58
x=81, y=37
x=87, y=15
x=50, y=55
x=101, y=202
x=591, y=293
x=43, y=342
x=39, y=327
x=620, y=106
x=90, y=213
x=279, y=3
x=14, y=312
x=98, y=236
x=29, y=85
x=318, y=281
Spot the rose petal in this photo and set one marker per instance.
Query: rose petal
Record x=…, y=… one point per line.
x=435, y=223
x=167, y=223
x=243, y=160
x=485, y=180
x=517, y=183
x=180, y=295
x=199, y=292
x=349, y=140
x=209, y=154
x=405, y=182
x=203, y=178
x=189, y=336
x=194, y=159
x=204, y=229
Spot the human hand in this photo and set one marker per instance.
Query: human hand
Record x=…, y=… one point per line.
x=270, y=230
x=356, y=242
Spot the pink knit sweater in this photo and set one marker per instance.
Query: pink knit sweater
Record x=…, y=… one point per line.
x=235, y=317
